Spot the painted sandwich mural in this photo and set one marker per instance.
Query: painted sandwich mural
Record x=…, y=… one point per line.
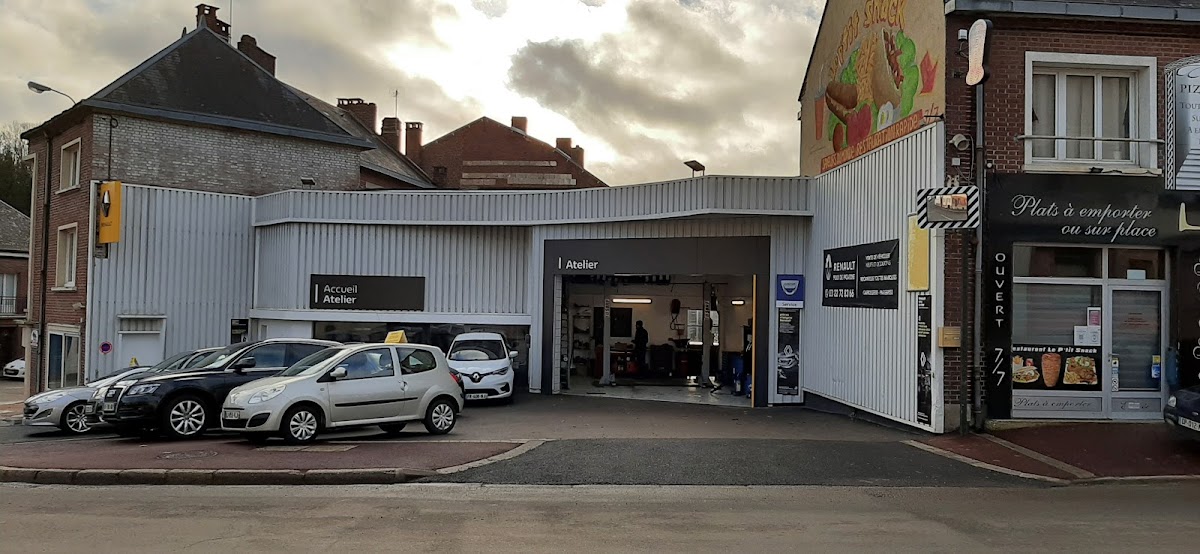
x=876, y=71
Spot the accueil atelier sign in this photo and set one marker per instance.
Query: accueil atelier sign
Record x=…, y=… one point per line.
x=366, y=292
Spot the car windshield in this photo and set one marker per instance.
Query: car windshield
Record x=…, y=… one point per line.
x=311, y=363
x=114, y=378
x=198, y=360
x=477, y=351
x=217, y=359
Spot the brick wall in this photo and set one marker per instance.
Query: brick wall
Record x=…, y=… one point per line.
x=66, y=207
x=166, y=154
x=1005, y=111
x=486, y=140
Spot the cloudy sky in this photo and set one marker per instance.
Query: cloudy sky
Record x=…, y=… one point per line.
x=642, y=85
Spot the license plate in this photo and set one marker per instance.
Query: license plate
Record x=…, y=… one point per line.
x=110, y=407
x=232, y=414
x=89, y=409
x=1193, y=425
x=477, y=396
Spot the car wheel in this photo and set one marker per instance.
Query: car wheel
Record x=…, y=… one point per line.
x=74, y=420
x=392, y=429
x=440, y=417
x=300, y=425
x=185, y=417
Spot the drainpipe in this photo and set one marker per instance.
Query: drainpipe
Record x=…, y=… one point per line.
x=42, y=338
x=976, y=334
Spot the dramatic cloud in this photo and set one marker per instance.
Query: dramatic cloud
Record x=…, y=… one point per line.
x=706, y=80
x=642, y=84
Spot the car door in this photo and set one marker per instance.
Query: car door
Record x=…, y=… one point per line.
x=269, y=359
x=370, y=390
x=416, y=368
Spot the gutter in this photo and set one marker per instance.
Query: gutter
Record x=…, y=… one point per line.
x=1075, y=9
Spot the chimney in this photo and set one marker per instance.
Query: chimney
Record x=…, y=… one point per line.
x=521, y=124
x=563, y=144
x=206, y=16
x=412, y=141
x=390, y=131
x=249, y=47
x=576, y=154
x=362, y=110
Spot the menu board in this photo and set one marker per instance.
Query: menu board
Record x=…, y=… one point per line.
x=924, y=365
x=1068, y=368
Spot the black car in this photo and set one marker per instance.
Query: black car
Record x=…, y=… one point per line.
x=180, y=361
x=1183, y=412
x=184, y=404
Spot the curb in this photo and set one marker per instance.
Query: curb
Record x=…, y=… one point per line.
x=1133, y=480
x=367, y=476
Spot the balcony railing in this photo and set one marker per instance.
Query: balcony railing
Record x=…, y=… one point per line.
x=12, y=306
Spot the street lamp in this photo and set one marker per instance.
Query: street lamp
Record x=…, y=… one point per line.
x=695, y=166
x=40, y=88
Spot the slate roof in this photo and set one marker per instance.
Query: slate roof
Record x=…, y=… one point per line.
x=14, y=229
x=201, y=78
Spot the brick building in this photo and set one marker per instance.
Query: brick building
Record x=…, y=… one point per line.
x=14, y=281
x=1070, y=293
x=203, y=115
x=486, y=154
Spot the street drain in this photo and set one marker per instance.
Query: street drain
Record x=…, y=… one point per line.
x=187, y=455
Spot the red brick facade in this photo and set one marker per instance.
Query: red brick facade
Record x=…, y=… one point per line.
x=486, y=154
x=1012, y=38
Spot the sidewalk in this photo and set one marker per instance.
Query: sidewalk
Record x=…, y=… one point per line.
x=12, y=400
x=1082, y=452
x=236, y=462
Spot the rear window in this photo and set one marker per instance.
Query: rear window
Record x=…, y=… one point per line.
x=477, y=351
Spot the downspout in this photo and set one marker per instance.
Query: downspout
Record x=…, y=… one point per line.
x=42, y=338
x=980, y=167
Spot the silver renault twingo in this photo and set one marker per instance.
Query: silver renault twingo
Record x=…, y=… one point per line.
x=387, y=385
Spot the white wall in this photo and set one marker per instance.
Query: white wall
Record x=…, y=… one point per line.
x=862, y=357
x=280, y=329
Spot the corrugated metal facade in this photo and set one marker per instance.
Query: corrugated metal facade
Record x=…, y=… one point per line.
x=184, y=256
x=867, y=357
x=686, y=197
x=479, y=270
x=787, y=256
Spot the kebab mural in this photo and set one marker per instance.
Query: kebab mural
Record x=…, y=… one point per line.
x=877, y=69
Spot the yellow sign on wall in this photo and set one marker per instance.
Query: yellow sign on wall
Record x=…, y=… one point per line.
x=109, y=206
x=918, y=256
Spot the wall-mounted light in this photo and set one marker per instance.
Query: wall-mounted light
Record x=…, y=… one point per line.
x=738, y=302
x=631, y=300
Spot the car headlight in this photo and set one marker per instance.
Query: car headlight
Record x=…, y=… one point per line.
x=48, y=397
x=1172, y=401
x=100, y=392
x=265, y=394
x=503, y=371
x=143, y=389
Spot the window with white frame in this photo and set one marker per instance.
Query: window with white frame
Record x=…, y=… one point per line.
x=69, y=178
x=1090, y=111
x=68, y=243
x=8, y=293
x=62, y=360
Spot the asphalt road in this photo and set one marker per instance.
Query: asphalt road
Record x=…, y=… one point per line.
x=449, y=518
x=732, y=462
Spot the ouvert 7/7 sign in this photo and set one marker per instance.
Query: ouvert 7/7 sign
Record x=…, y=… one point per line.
x=366, y=292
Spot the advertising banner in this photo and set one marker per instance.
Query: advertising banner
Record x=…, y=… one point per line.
x=1182, y=117
x=924, y=363
x=1056, y=368
x=877, y=69
x=787, y=360
x=789, y=291
x=366, y=292
x=862, y=276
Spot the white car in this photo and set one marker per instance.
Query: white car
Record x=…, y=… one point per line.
x=387, y=385
x=485, y=364
x=15, y=369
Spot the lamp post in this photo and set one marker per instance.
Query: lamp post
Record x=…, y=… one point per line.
x=40, y=88
x=695, y=166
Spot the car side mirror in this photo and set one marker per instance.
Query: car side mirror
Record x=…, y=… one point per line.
x=513, y=354
x=244, y=363
x=338, y=373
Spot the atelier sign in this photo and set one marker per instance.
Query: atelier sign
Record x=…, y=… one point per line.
x=366, y=292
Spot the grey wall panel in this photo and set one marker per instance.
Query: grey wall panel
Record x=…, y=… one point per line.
x=700, y=195
x=787, y=256
x=866, y=357
x=185, y=256
x=479, y=270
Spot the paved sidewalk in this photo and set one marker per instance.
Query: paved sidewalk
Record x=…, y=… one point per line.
x=1081, y=452
x=12, y=400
